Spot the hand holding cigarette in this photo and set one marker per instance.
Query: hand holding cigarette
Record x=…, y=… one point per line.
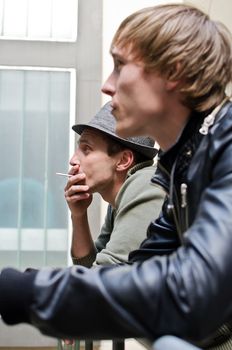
x=77, y=192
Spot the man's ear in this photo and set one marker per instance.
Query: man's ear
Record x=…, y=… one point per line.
x=125, y=161
x=172, y=83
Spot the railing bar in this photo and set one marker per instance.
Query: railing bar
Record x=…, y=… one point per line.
x=88, y=345
x=118, y=344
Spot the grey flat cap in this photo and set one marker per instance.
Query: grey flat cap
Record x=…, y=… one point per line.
x=105, y=122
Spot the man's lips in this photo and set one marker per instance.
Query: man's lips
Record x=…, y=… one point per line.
x=114, y=111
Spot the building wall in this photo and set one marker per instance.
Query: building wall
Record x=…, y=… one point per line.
x=218, y=10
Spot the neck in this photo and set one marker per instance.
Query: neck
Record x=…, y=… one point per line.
x=109, y=195
x=168, y=131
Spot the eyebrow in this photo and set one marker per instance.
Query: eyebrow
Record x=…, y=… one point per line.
x=116, y=55
x=84, y=140
x=124, y=58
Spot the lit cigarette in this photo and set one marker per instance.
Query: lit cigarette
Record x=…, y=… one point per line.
x=63, y=174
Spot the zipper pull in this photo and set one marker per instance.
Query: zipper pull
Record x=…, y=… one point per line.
x=208, y=121
x=183, y=192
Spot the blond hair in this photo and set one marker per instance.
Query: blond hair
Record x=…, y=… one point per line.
x=182, y=43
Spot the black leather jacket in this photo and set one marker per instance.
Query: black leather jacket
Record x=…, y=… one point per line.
x=165, y=234
x=187, y=293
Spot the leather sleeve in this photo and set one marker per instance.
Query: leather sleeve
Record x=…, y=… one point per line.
x=187, y=293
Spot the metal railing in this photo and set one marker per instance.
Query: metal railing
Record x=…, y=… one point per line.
x=118, y=344
x=163, y=343
x=89, y=345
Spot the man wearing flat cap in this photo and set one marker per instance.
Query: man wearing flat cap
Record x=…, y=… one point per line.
x=120, y=170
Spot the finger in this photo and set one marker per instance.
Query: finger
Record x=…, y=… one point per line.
x=75, y=179
x=77, y=198
x=77, y=189
x=75, y=169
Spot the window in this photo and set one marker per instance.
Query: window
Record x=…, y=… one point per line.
x=35, y=118
x=36, y=114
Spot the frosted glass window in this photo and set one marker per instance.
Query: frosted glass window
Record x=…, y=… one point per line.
x=38, y=19
x=34, y=138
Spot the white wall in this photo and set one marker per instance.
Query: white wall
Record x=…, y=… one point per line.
x=220, y=10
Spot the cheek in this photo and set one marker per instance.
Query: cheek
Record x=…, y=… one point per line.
x=132, y=95
x=104, y=168
x=126, y=84
x=85, y=165
x=98, y=168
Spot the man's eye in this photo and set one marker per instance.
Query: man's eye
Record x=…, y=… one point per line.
x=118, y=65
x=86, y=149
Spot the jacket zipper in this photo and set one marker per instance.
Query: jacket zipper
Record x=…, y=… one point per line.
x=171, y=193
x=184, y=204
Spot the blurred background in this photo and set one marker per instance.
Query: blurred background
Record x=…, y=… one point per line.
x=54, y=57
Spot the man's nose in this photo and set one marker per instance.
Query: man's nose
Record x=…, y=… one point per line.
x=74, y=160
x=108, y=87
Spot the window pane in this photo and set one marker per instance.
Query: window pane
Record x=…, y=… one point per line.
x=15, y=18
x=38, y=10
x=64, y=23
x=38, y=19
x=34, y=132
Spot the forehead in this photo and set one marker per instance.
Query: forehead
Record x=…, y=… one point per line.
x=127, y=54
x=92, y=136
x=121, y=51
